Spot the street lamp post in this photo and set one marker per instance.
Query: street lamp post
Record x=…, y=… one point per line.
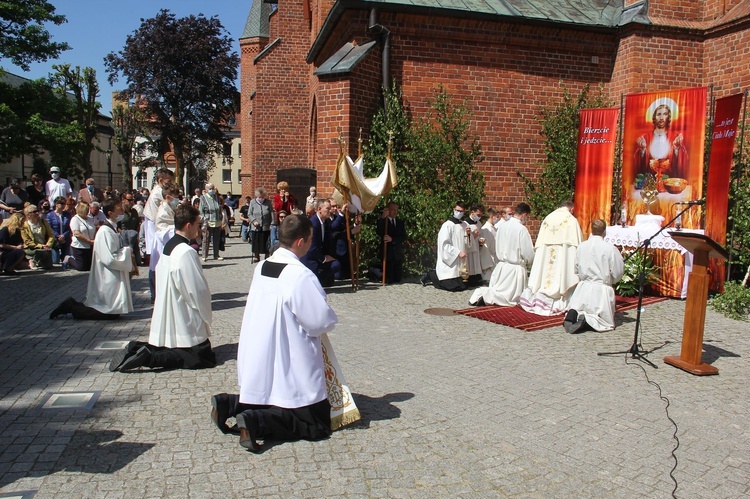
x=108, y=153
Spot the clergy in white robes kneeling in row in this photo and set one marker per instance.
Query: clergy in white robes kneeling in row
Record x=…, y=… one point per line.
x=451, y=253
x=181, y=321
x=599, y=266
x=515, y=253
x=280, y=367
x=108, y=291
x=474, y=246
x=553, y=275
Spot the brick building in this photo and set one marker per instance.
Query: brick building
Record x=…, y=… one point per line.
x=313, y=67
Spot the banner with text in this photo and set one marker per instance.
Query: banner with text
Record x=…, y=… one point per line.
x=597, y=134
x=662, y=153
x=723, y=135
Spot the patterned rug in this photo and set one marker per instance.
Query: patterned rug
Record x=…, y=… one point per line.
x=520, y=319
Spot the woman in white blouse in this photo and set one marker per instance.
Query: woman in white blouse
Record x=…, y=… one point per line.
x=83, y=232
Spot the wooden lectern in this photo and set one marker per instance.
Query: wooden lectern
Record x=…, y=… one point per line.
x=702, y=247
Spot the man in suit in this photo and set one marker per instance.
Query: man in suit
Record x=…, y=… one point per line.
x=319, y=258
x=90, y=193
x=392, y=237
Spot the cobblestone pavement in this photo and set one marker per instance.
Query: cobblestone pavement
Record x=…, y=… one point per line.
x=452, y=406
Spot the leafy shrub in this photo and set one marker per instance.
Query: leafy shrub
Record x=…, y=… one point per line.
x=734, y=303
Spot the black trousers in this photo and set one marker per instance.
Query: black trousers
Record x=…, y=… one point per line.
x=81, y=312
x=212, y=237
x=311, y=422
x=200, y=356
x=453, y=284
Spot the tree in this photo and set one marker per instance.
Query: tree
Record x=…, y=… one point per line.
x=560, y=131
x=23, y=38
x=185, y=72
x=84, y=88
x=128, y=121
x=436, y=160
x=33, y=119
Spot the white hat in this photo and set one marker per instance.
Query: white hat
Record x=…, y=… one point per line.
x=54, y=169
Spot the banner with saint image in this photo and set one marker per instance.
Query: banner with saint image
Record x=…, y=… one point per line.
x=597, y=134
x=662, y=153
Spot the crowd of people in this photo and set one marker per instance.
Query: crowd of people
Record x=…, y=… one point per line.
x=558, y=274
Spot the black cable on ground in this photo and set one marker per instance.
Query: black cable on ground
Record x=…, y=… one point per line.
x=666, y=409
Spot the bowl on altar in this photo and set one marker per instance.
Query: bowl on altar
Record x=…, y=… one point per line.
x=675, y=185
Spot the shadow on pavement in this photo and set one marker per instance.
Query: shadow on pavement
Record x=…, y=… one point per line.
x=377, y=408
x=225, y=352
x=99, y=452
x=711, y=353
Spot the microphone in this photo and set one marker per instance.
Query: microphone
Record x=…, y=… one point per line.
x=699, y=202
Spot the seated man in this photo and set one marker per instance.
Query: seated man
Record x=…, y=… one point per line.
x=108, y=292
x=598, y=265
x=552, y=276
x=280, y=365
x=181, y=322
x=514, y=253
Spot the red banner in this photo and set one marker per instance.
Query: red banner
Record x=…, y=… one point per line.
x=597, y=135
x=719, y=172
x=664, y=141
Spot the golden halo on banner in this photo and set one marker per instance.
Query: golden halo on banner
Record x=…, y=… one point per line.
x=674, y=109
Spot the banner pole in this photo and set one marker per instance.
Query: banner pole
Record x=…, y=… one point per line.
x=736, y=179
x=618, y=153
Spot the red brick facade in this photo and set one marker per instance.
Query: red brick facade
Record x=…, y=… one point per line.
x=504, y=70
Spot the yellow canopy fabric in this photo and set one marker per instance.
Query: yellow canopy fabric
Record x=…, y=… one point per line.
x=363, y=193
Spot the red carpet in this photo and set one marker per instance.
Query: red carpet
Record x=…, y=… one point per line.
x=520, y=319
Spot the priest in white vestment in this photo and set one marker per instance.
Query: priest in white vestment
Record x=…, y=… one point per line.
x=487, y=244
x=515, y=253
x=280, y=365
x=473, y=246
x=181, y=321
x=163, y=177
x=599, y=266
x=553, y=275
x=451, y=253
x=108, y=292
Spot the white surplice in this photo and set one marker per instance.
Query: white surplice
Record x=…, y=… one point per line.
x=279, y=359
x=553, y=275
x=108, y=288
x=515, y=253
x=487, y=250
x=182, y=311
x=473, y=253
x=599, y=266
x=163, y=232
x=450, y=242
x=155, y=198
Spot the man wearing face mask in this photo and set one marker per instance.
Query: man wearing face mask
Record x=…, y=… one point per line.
x=473, y=244
x=90, y=193
x=451, y=253
x=487, y=244
x=58, y=186
x=515, y=253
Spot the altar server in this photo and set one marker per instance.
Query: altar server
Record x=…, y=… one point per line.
x=155, y=198
x=514, y=252
x=473, y=254
x=599, y=266
x=181, y=322
x=108, y=291
x=553, y=275
x=280, y=364
x=451, y=248
x=487, y=244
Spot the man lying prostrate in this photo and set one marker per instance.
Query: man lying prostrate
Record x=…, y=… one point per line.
x=108, y=291
x=599, y=266
x=181, y=321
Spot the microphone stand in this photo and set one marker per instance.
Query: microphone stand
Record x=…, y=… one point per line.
x=636, y=349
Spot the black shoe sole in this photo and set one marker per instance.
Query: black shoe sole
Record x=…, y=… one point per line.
x=246, y=438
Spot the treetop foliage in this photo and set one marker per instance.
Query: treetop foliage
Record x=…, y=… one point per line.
x=184, y=70
x=23, y=37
